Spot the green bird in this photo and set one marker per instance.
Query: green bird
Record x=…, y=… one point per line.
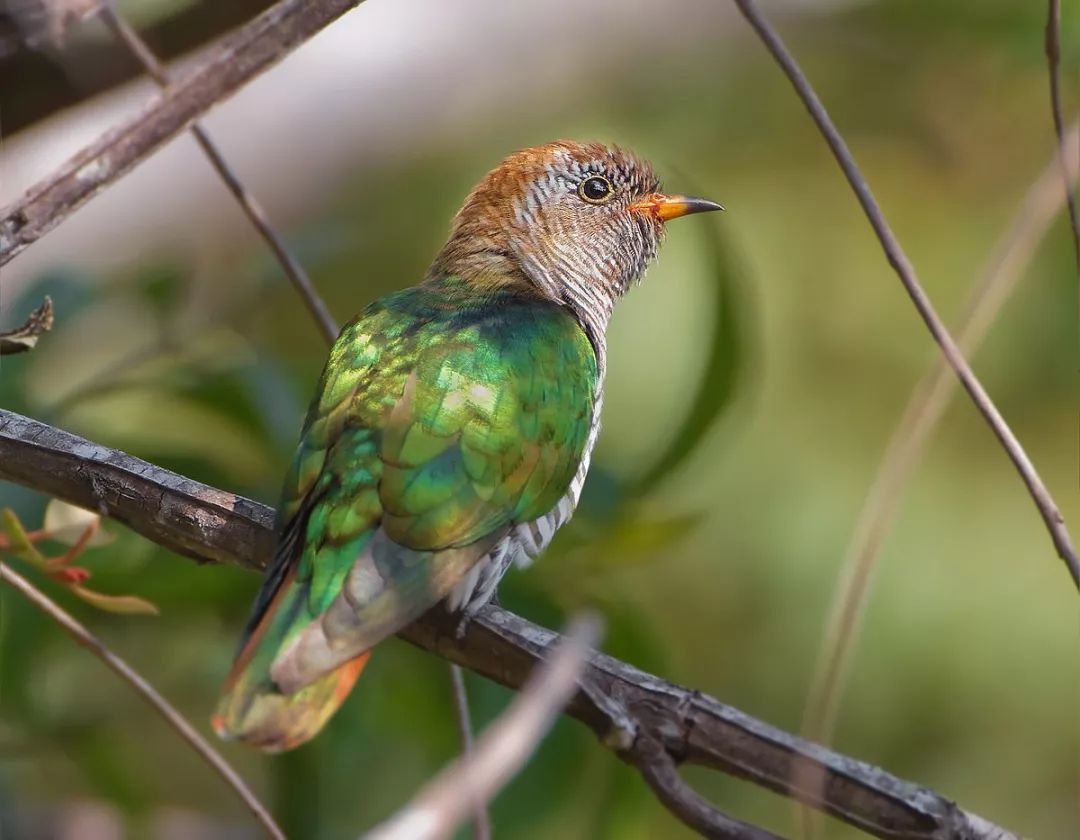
x=451, y=430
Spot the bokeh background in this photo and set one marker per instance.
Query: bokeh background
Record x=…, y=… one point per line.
x=754, y=380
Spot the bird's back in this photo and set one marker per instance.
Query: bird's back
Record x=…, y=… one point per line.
x=447, y=422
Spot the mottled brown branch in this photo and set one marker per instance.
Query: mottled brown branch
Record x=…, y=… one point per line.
x=52, y=80
x=1053, y=61
x=145, y=690
x=617, y=701
x=904, y=269
x=236, y=60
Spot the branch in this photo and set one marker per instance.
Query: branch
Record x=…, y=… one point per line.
x=1053, y=62
x=898, y=259
x=621, y=704
x=925, y=408
x=446, y=801
x=481, y=818
x=148, y=693
x=128, y=36
x=50, y=81
x=234, y=62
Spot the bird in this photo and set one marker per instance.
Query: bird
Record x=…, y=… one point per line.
x=451, y=430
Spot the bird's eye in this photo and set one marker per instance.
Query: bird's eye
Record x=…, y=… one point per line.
x=596, y=189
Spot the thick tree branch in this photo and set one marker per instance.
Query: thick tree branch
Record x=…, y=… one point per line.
x=621, y=704
x=236, y=61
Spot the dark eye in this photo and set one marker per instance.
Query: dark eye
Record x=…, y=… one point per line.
x=595, y=189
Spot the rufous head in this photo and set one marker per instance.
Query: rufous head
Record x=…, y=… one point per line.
x=578, y=222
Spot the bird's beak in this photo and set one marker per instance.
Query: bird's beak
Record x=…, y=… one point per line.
x=667, y=207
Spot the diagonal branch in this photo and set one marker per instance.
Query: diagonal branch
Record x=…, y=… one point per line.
x=621, y=704
x=128, y=36
x=235, y=61
x=504, y=747
x=898, y=259
x=913, y=431
x=148, y=693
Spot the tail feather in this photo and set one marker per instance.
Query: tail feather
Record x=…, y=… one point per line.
x=252, y=708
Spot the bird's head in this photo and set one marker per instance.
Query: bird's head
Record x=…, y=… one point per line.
x=576, y=222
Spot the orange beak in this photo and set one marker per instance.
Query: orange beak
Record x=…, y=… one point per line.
x=667, y=207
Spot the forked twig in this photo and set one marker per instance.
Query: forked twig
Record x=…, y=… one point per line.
x=898, y=259
x=449, y=799
x=251, y=207
x=162, y=706
x=924, y=410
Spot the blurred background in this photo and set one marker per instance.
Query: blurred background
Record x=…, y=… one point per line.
x=754, y=381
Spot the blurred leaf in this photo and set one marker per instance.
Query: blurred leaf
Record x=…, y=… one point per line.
x=724, y=359
x=25, y=336
x=628, y=539
x=19, y=542
x=66, y=524
x=120, y=604
x=158, y=424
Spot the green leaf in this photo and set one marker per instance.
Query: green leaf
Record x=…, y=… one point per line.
x=120, y=604
x=20, y=544
x=725, y=358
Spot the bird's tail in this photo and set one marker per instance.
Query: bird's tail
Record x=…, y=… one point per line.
x=252, y=709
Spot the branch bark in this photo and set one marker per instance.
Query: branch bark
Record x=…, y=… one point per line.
x=237, y=60
x=629, y=710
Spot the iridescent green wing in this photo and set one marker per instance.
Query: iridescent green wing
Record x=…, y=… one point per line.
x=468, y=416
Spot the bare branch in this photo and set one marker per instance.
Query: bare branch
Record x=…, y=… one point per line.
x=237, y=60
x=1053, y=61
x=448, y=799
x=481, y=818
x=143, y=688
x=617, y=701
x=924, y=410
x=659, y=770
x=250, y=205
x=898, y=259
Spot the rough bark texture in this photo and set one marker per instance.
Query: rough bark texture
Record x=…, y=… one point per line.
x=633, y=713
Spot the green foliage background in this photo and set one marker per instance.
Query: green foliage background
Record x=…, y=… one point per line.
x=755, y=378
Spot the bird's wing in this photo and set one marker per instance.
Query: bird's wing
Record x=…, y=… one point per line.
x=426, y=444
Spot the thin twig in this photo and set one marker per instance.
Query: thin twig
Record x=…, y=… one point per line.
x=1010, y=256
x=251, y=207
x=162, y=706
x=898, y=259
x=237, y=60
x=503, y=748
x=481, y=819
x=660, y=772
x=1053, y=60
x=618, y=702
